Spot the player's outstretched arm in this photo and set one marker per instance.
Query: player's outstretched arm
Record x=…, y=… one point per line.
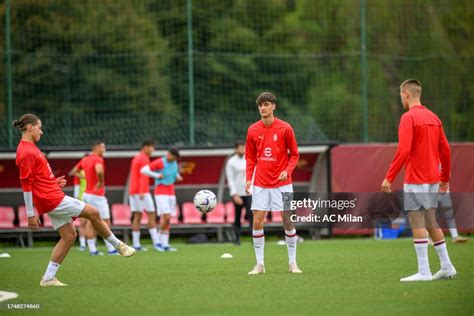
x=147, y=171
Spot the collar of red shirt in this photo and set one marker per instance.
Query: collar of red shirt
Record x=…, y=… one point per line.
x=417, y=106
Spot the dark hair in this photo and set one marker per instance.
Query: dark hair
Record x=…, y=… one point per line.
x=148, y=142
x=174, y=151
x=239, y=143
x=264, y=97
x=97, y=142
x=25, y=120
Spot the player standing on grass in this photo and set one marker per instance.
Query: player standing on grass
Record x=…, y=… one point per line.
x=422, y=146
x=140, y=197
x=165, y=170
x=271, y=155
x=93, y=166
x=43, y=189
x=79, y=179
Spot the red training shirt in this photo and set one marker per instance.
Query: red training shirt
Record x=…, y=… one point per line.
x=422, y=145
x=266, y=152
x=88, y=164
x=161, y=189
x=75, y=179
x=37, y=177
x=139, y=183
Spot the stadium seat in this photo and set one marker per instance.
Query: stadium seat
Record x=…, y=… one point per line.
x=7, y=216
x=230, y=213
x=190, y=214
x=144, y=220
x=276, y=217
x=22, y=218
x=174, y=219
x=121, y=214
x=46, y=221
x=217, y=215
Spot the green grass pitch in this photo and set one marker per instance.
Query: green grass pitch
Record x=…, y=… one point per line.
x=341, y=277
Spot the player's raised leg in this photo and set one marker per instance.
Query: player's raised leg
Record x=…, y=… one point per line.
x=291, y=241
x=420, y=242
x=258, y=237
x=101, y=227
x=447, y=270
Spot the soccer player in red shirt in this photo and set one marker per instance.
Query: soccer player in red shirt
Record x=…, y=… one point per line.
x=140, y=197
x=43, y=189
x=271, y=155
x=422, y=146
x=79, y=186
x=94, y=168
x=165, y=171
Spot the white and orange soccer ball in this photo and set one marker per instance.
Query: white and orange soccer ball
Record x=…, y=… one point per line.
x=205, y=201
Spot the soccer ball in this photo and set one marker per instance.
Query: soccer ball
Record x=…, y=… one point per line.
x=205, y=201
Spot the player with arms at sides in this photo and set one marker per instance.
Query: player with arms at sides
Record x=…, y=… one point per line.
x=271, y=155
x=43, y=190
x=235, y=174
x=79, y=179
x=422, y=146
x=165, y=170
x=94, y=168
x=140, y=197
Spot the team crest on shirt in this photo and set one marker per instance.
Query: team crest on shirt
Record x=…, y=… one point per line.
x=275, y=137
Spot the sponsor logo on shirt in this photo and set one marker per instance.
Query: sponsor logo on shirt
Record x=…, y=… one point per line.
x=267, y=152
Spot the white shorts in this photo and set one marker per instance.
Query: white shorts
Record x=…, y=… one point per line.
x=271, y=199
x=77, y=190
x=165, y=204
x=138, y=205
x=66, y=210
x=99, y=202
x=420, y=196
x=445, y=201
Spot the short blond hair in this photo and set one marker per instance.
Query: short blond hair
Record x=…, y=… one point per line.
x=413, y=86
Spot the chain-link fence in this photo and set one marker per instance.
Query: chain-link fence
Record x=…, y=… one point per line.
x=187, y=72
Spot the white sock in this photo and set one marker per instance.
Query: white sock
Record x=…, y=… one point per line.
x=165, y=237
x=109, y=246
x=160, y=238
x=290, y=238
x=91, y=244
x=421, y=247
x=136, y=239
x=113, y=240
x=259, y=245
x=440, y=247
x=51, y=270
x=454, y=232
x=82, y=241
x=449, y=215
x=154, y=235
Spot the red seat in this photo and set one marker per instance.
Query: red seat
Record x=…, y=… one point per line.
x=144, y=220
x=174, y=219
x=23, y=219
x=7, y=216
x=276, y=217
x=121, y=214
x=46, y=221
x=190, y=214
x=217, y=215
x=230, y=211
